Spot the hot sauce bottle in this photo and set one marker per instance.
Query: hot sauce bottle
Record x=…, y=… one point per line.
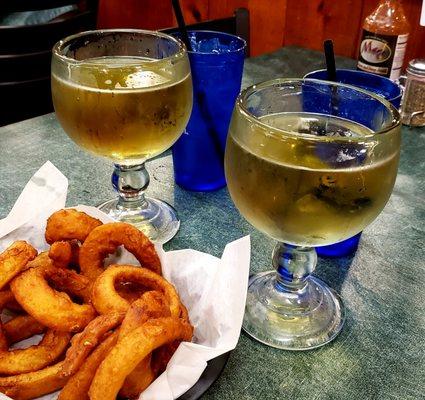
x=384, y=40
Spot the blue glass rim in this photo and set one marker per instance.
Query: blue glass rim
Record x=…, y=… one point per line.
x=212, y=34
x=366, y=75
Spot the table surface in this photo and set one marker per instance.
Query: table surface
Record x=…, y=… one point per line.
x=380, y=353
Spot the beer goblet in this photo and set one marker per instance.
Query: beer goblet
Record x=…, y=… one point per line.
x=125, y=95
x=309, y=163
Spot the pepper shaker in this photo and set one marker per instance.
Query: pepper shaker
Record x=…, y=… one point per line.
x=413, y=107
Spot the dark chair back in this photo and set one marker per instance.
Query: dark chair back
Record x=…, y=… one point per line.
x=25, y=56
x=238, y=25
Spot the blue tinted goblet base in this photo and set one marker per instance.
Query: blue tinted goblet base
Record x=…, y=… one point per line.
x=187, y=184
x=292, y=320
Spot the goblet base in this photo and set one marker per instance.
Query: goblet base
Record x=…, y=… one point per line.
x=155, y=218
x=292, y=320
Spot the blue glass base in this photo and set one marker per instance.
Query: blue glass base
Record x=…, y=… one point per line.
x=341, y=249
x=188, y=183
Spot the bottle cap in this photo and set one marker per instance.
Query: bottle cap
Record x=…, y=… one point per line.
x=417, y=66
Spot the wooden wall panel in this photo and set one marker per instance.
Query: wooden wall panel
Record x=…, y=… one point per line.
x=310, y=22
x=268, y=24
x=145, y=14
x=274, y=23
x=195, y=10
x=224, y=8
x=267, y=20
x=416, y=44
x=304, y=23
x=343, y=26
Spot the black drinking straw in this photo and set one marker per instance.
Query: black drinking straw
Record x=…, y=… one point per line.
x=182, y=25
x=198, y=92
x=328, y=47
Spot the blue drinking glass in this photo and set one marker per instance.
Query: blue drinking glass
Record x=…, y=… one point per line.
x=380, y=85
x=216, y=62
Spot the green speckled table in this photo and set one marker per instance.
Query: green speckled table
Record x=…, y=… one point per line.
x=381, y=352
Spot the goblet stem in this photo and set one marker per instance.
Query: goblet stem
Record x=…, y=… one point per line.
x=130, y=182
x=157, y=219
x=289, y=308
x=293, y=265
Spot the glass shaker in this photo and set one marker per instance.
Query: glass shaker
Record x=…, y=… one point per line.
x=413, y=107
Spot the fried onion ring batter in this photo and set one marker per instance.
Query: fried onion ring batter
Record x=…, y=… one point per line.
x=33, y=384
x=79, y=384
x=69, y=224
x=33, y=358
x=105, y=240
x=131, y=350
x=6, y=297
x=14, y=260
x=64, y=253
x=22, y=327
x=86, y=341
x=41, y=260
x=54, y=309
x=106, y=299
x=151, y=305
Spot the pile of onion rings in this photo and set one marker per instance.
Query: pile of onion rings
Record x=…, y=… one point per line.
x=108, y=332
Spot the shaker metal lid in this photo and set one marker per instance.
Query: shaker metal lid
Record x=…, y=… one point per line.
x=417, y=66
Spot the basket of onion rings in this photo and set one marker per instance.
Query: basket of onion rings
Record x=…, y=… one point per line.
x=91, y=309
x=108, y=331
x=108, y=326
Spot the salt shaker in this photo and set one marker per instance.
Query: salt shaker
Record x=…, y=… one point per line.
x=413, y=108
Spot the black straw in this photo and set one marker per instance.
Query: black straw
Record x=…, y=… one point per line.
x=182, y=25
x=328, y=46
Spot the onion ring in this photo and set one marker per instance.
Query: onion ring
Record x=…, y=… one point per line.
x=54, y=309
x=130, y=350
x=7, y=300
x=138, y=380
x=33, y=384
x=64, y=253
x=151, y=305
x=22, y=327
x=107, y=238
x=18, y=328
x=41, y=260
x=106, y=299
x=6, y=297
x=130, y=291
x=33, y=358
x=79, y=384
x=83, y=343
x=162, y=356
x=69, y=224
x=14, y=260
x=78, y=285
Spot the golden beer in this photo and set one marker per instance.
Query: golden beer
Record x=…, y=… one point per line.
x=308, y=193
x=128, y=109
